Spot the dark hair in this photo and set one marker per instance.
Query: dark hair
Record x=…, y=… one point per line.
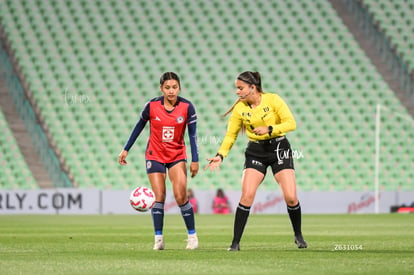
x=220, y=193
x=168, y=76
x=252, y=78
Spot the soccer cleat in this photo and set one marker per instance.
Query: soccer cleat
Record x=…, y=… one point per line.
x=234, y=247
x=159, y=242
x=300, y=242
x=192, y=241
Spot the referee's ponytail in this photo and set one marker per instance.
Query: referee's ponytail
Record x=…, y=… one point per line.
x=231, y=108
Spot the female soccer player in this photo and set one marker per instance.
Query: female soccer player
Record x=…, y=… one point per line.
x=266, y=119
x=168, y=115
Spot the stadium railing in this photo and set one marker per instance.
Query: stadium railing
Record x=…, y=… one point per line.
x=25, y=109
x=390, y=27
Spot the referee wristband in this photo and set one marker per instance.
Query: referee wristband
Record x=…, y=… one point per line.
x=220, y=155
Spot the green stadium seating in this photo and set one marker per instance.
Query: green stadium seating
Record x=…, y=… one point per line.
x=91, y=66
x=15, y=173
x=394, y=21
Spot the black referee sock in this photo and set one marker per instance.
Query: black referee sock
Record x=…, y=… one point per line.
x=295, y=216
x=240, y=220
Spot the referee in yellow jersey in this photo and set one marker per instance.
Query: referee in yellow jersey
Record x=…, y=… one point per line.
x=266, y=119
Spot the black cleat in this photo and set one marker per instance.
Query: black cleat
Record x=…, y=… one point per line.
x=300, y=242
x=234, y=247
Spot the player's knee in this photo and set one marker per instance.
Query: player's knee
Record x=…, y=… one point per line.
x=180, y=199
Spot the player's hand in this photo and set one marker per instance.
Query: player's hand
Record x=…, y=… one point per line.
x=122, y=156
x=194, y=169
x=261, y=130
x=214, y=163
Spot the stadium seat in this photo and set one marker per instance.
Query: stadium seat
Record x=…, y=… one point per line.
x=112, y=53
x=15, y=172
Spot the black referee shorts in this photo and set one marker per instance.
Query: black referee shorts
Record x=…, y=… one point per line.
x=275, y=152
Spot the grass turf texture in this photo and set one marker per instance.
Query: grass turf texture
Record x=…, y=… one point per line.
x=380, y=244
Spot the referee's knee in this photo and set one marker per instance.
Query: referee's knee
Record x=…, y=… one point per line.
x=291, y=201
x=246, y=200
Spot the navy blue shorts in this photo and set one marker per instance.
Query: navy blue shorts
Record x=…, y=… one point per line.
x=275, y=152
x=154, y=166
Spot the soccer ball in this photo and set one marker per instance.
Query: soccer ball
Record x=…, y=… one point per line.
x=142, y=199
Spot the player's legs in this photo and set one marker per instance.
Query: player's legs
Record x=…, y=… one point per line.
x=287, y=181
x=157, y=181
x=251, y=180
x=178, y=176
x=156, y=175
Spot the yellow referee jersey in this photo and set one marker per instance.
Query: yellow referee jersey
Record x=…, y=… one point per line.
x=272, y=111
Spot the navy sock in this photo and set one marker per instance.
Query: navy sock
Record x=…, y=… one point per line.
x=157, y=213
x=188, y=215
x=240, y=220
x=295, y=216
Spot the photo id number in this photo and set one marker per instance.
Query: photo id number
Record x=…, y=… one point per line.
x=347, y=247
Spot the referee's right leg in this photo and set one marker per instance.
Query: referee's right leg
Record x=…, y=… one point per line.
x=250, y=182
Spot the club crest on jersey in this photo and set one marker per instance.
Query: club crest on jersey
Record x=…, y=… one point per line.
x=167, y=133
x=180, y=119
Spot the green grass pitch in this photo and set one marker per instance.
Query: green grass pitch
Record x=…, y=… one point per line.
x=112, y=244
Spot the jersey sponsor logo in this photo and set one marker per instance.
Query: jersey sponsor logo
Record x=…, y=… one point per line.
x=167, y=133
x=180, y=119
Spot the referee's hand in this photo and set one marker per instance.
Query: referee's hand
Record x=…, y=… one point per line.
x=122, y=156
x=214, y=163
